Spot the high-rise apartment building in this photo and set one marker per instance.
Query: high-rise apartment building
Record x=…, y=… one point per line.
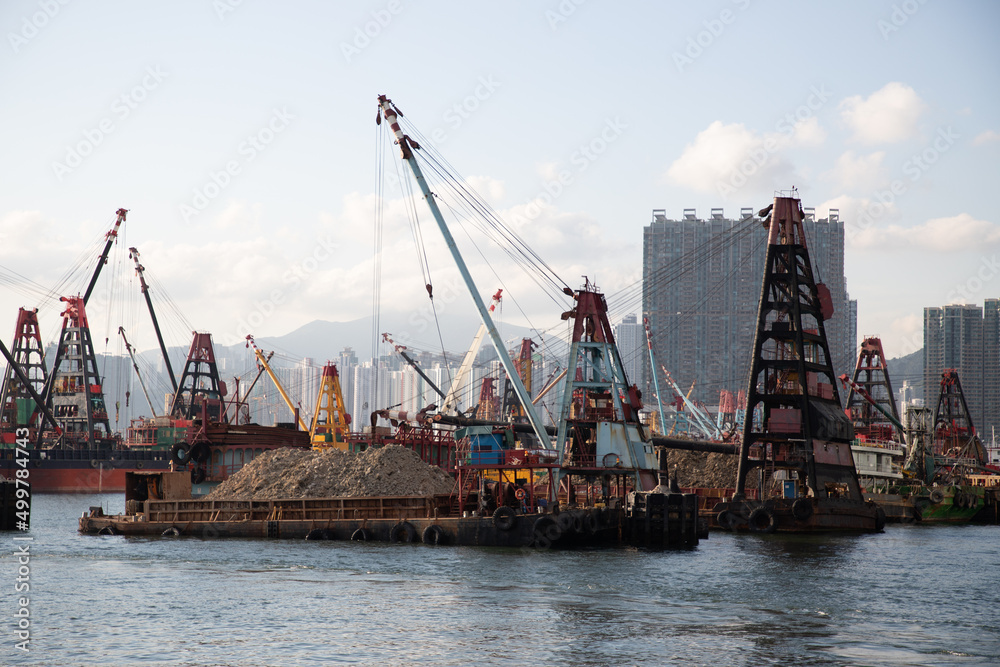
x=701, y=288
x=629, y=336
x=965, y=337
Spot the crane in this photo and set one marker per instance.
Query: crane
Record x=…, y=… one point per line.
x=450, y=406
x=110, y=239
x=277, y=383
x=407, y=146
x=140, y=271
x=652, y=365
x=131, y=354
x=401, y=349
x=848, y=382
x=703, y=422
x=331, y=423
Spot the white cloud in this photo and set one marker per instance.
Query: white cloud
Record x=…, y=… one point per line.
x=490, y=188
x=855, y=172
x=888, y=115
x=957, y=233
x=809, y=132
x=730, y=156
x=987, y=137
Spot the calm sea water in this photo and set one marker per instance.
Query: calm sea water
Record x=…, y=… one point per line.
x=911, y=596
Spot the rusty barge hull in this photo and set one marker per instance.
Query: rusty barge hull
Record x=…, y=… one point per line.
x=403, y=519
x=802, y=515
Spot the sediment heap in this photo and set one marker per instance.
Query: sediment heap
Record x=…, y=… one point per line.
x=297, y=473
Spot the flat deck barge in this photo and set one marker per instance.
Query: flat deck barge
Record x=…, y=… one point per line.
x=653, y=520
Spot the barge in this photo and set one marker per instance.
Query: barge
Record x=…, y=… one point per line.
x=159, y=504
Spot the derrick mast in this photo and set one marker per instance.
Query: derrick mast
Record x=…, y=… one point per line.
x=872, y=376
x=75, y=315
x=800, y=446
x=599, y=418
x=77, y=399
x=955, y=435
x=331, y=423
x=19, y=408
x=199, y=383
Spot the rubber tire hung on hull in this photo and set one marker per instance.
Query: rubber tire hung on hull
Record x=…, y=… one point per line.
x=762, y=521
x=403, y=532
x=180, y=453
x=802, y=509
x=504, y=518
x=435, y=535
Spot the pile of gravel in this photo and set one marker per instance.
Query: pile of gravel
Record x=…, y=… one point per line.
x=703, y=469
x=299, y=473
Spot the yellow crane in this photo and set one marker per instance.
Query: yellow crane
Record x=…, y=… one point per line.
x=331, y=423
x=277, y=383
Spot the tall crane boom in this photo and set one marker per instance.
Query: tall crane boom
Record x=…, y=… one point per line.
x=848, y=382
x=140, y=271
x=406, y=146
x=652, y=366
x=111, y=237
x=131, y=354
x=277, y=383
x=401, y=349
x=450, y=406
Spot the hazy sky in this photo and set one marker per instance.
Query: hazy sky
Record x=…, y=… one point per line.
x=241, y=136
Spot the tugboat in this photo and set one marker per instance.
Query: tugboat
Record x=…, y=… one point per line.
x=796, y=438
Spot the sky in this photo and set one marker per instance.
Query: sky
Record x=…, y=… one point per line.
x=241, y=136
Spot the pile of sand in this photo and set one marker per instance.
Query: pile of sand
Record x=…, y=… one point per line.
x=703, y=470
x=298, y=473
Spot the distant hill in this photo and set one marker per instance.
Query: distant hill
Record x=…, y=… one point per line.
x=909, y=368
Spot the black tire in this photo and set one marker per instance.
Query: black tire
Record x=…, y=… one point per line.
x=173, y=531
x=725, y=519
x=802, y=509
x=762, y=521
x=879, y=519
x=936, y=496
x=360, y=535
x=94, y=463
x=197, y=475
x=435, y=535
x=958, y=500
x=107, y=530
x=317, y=534
x=200, y=452
x=403, y=532
x=589, y=523
x=504, y=518
x=546, y=531
x=138, y=465
x=180, y=453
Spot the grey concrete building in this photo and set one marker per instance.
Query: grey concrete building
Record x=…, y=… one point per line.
x=701, y=287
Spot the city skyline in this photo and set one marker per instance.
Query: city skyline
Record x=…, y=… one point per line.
x=248, y=167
